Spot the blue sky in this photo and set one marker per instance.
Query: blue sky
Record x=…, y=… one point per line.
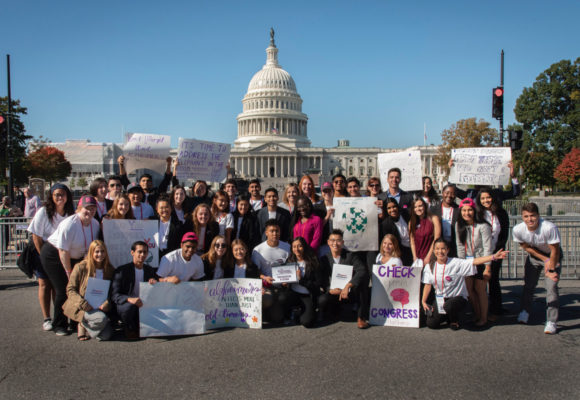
x=372, y=72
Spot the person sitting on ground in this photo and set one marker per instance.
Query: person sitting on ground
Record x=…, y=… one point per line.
x=183, y=264
x=125, y=288
x=243, y=265
x=356, y=290
x=447, y=275
x=218, y=261
x=92, y=321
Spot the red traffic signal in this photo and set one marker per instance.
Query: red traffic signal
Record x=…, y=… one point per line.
x=497, y=103
x=1, y=119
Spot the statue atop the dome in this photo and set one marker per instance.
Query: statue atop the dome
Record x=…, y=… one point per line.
x=272, y=37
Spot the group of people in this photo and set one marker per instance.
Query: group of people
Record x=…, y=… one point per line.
x=244, y=235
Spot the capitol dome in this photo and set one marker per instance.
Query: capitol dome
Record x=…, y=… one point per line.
x=272, y=108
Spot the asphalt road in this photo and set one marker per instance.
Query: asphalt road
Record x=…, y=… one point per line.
x=336, y=361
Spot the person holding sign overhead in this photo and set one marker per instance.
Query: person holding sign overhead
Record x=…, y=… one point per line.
x=150, y=193
x=96, y=265
x=125, y=288
x=355, y=290
x=447, y=275
x=141, y=209
x=66, y=247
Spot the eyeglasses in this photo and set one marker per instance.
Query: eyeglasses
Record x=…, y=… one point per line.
x=220, y=245
x=115, y=185
x=374, y=185
x=59, y=195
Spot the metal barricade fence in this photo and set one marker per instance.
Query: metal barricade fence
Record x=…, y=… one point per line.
x=569, y=227
x=13, y=238
x=14, y=235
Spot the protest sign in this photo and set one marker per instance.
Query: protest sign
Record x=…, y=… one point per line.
x=480, y=166
x=202, y=160
x=120, y=234
x=357, y=217
x=170, y=309
x=395, y=296
x=233, y=303
x=285, y=273
x=341, y=275
x=143, y=150
x=409, y=162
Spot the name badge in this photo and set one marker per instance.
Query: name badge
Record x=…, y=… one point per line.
x=469, y=257
x=440, y=302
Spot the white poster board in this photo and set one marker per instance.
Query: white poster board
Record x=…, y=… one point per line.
x=285, y=273
x=97, y=291
x=120, y=234
x=149, y=151
x=395, y=296
x=202, y=160
x=170, y=309
x=409, y=162
x=233, y=303
x=358, y=218
x=480, y=166
x=341, y=275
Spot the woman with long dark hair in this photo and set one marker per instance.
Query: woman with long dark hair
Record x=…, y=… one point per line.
x=182, y=204
x=395, y=224
x=490, y=210
x=473, y=237
x=310, y=276
x=424, y=229
x=428, y=193
x=245, y=224
x=95, y=265
x=58, y=206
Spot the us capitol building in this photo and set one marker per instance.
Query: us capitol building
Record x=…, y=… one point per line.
x=272, y=142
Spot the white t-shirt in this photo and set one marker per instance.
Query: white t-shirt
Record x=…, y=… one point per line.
x=256, y=204
x=449, y=279
x=403, y=229
x=41, y=226
x=218, y=272
x=298, y=288
x=225, y=221
x=101, y=208
x=393, y=261
x=161, y=236
x=495, y=227
x=271, y=214
x=143, y=211
x=139, y=277
x=447, y=222
x=173, y=264
x=545, y=234
x=73, y=237
x=266, y=257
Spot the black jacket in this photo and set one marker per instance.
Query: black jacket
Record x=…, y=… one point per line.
x=283, y=218
x=124, y=281
x=249, y=231
x=436, y=210
x=359, y=272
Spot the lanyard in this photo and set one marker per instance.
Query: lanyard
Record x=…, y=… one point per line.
x=442, y=277
x=472, y=241
x=101, y=210
x=141, y=208
x=85, y=236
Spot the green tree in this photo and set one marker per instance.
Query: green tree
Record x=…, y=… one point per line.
x=465, y=133
x=550, y=110
x=539, y=168
x=18, y=143
x=48, y=163
x=82, y=182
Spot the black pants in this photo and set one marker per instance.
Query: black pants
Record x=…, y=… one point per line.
x=290, y=299
x=453, y=306
x=58, y=279
x=272, y=309
x=129, y=314
x=495, y=300
x=329, y=304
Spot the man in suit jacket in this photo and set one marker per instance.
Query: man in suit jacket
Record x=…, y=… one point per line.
x=272, y=211
x=404, y=199
x=355, y=290
x=125, y=288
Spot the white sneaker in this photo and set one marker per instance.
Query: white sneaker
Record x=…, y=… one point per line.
x=47, y=325
x=550, y=328
x=523, y=317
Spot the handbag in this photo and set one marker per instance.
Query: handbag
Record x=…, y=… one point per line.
x=26, y=258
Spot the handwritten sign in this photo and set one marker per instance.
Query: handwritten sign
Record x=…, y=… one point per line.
x=480, y=166
x=202, y=160
x=358, y=218
x=143, y=150
x=233, y=303
x=170, y=309
x=395, y=296
x=120, y=234
x=409, y=162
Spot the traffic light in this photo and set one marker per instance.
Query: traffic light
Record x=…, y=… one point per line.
x=497, y=103
x=1, y=119
x=516, y=140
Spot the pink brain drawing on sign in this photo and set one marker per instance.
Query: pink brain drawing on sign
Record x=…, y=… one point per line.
x=400, y=295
